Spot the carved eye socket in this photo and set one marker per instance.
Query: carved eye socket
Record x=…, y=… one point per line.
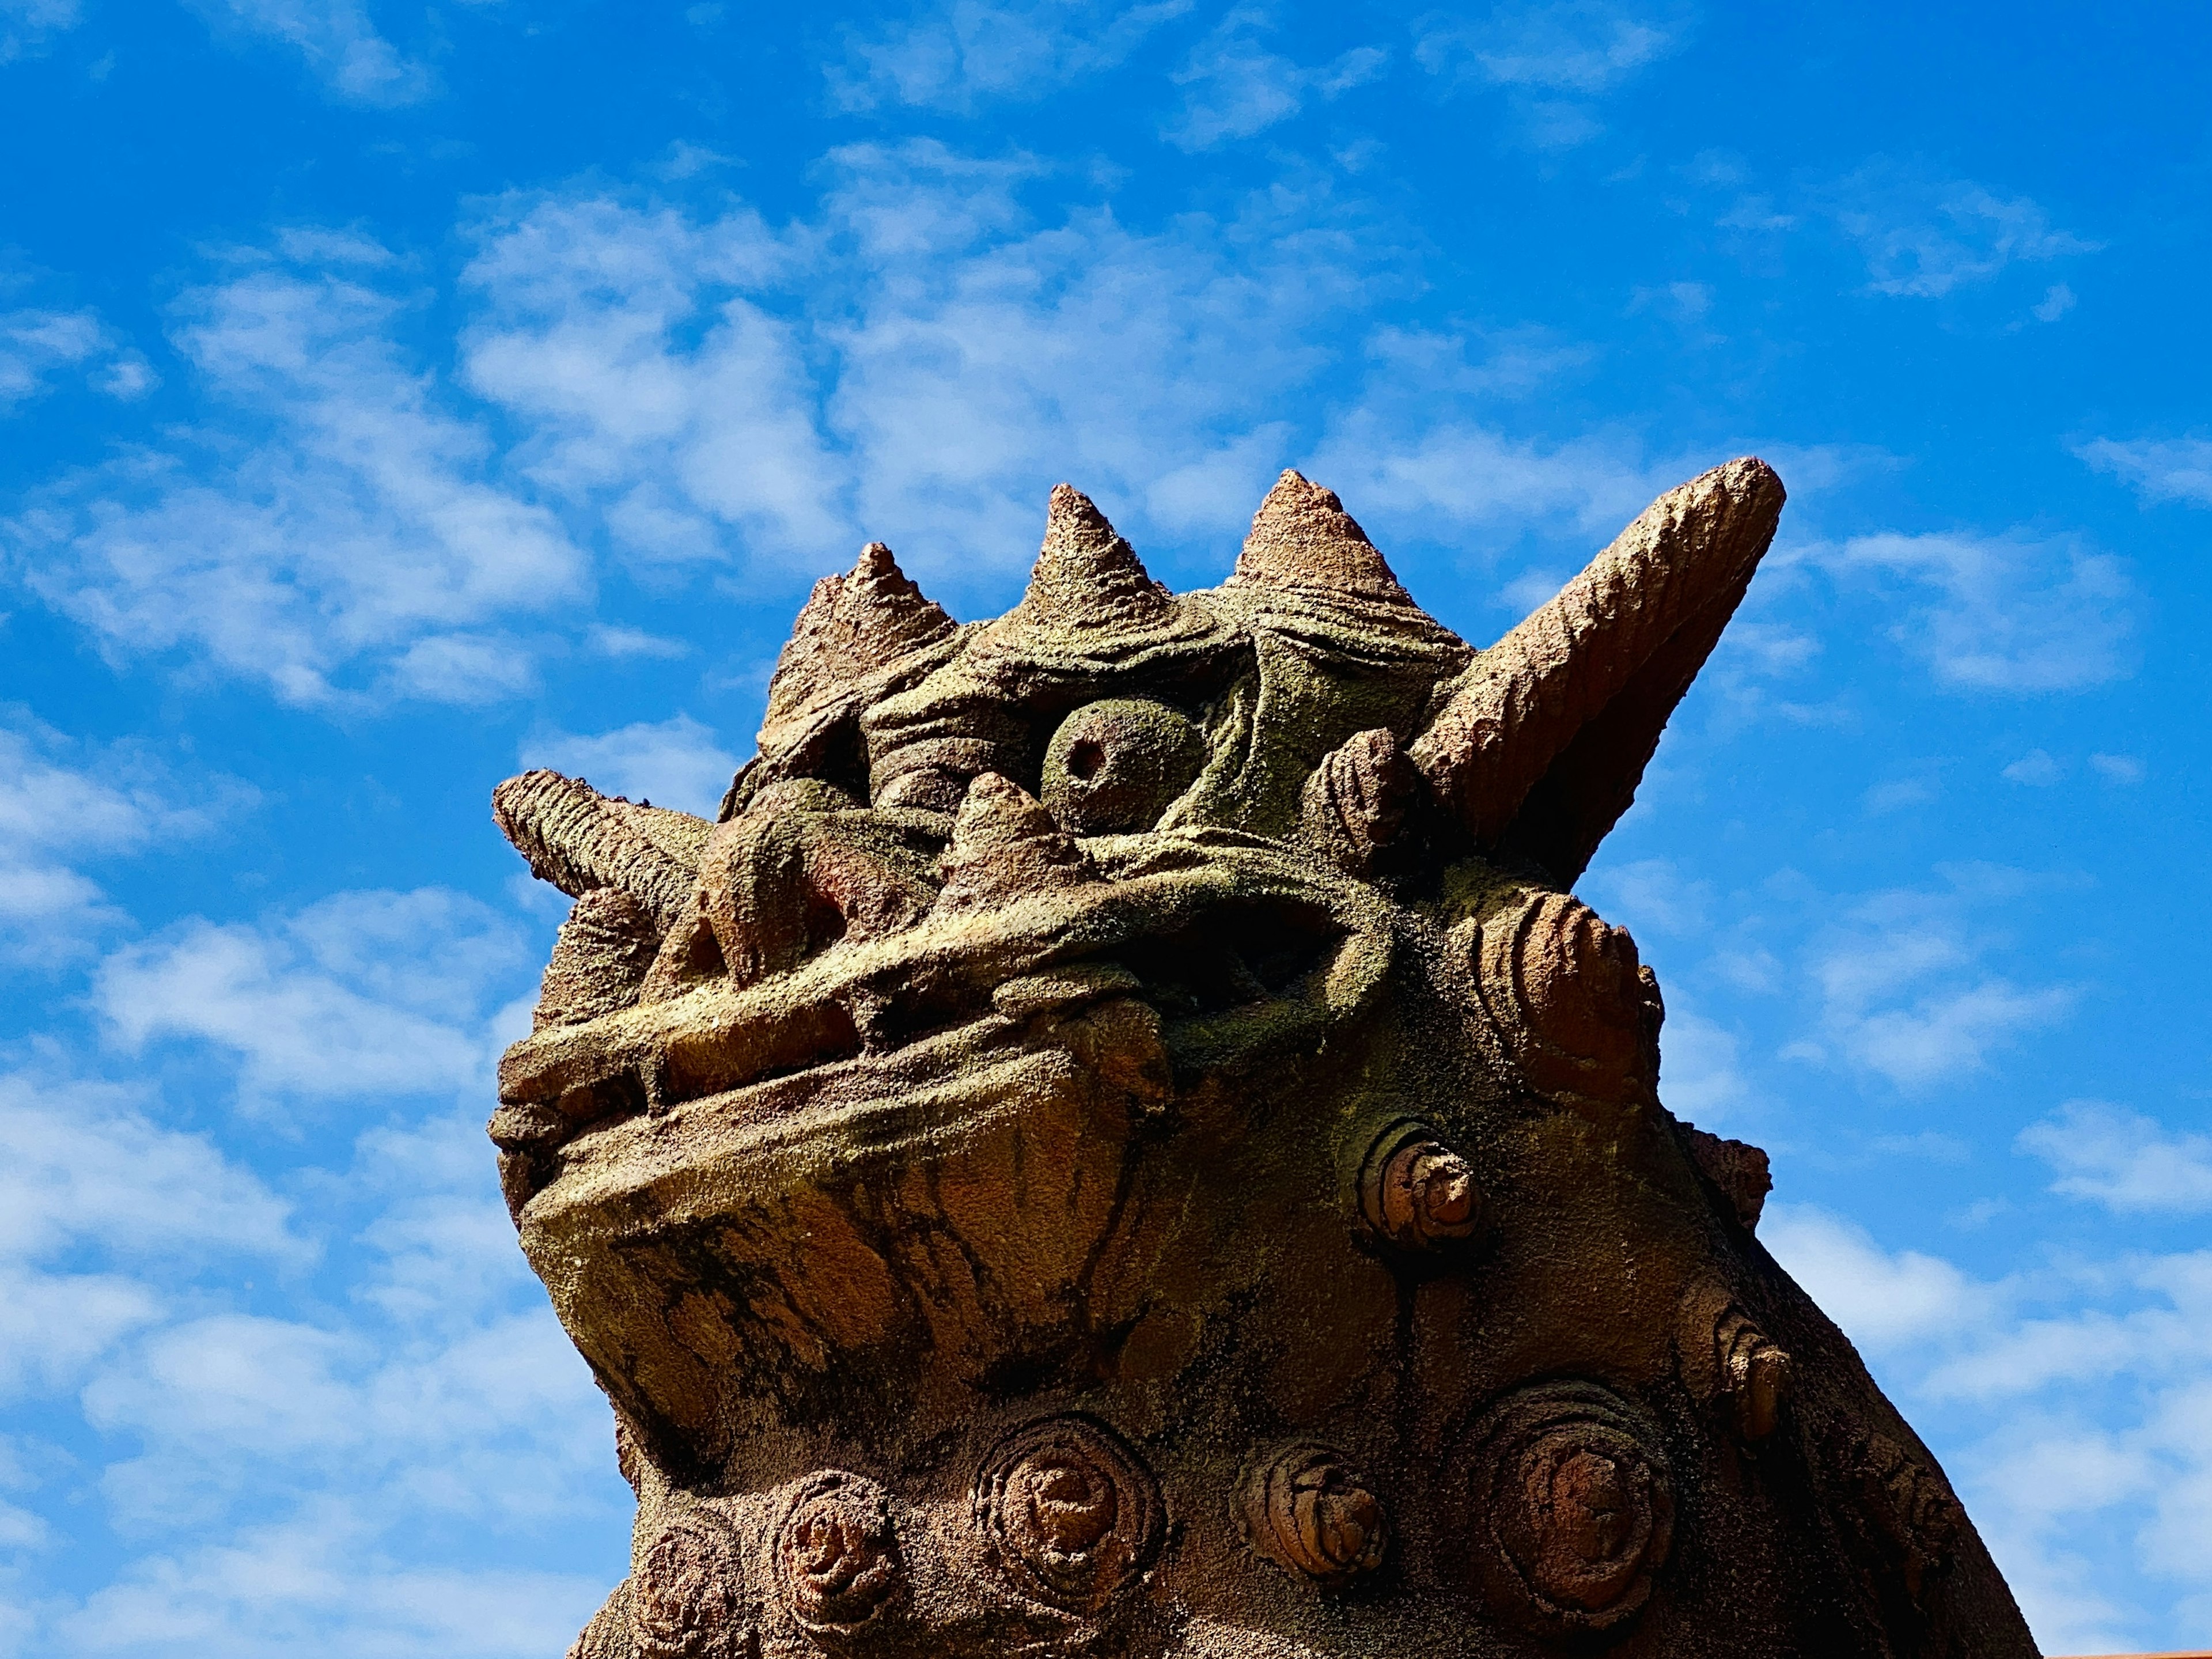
x=1114, y=766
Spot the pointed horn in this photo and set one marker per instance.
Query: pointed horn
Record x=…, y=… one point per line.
x=1539, y=750
x=1302, y=537
x=1085, y=576
x=852, y=626
x=580, y=840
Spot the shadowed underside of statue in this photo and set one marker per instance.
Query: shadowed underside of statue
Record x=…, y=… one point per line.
x=1119, y=1138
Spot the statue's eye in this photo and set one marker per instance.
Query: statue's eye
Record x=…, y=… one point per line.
x=1114, y=766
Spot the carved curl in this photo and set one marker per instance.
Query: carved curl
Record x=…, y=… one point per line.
x=688, y=1595
x=1906, y=1507
x=1307, y=1509
x=1727, y=1359
x=1068, y=1512
x=1571, y=1508
x=1354, y=803
x=1417, y=1193
x=836, y=1555
x=1576, y=1009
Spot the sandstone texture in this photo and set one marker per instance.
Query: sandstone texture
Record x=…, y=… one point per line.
x=1121, y=1139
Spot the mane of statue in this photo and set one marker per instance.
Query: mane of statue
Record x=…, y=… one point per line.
x=1119, y=1138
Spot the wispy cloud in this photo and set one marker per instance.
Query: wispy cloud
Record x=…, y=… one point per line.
x=65, y=805
x=338, y=41
x=334, y=530
x=37, y=347
x=673, y=762
x=83, y=1169
x=1924, y=235
x=362, y=994
x=958, y=55
x=1554, y=60
x=1234, y=86
x=1573, y=46
x=2037, y=769
x=1904, y=990
x=1886, y=1300
x=2160, y=469
x=294, y=1473
x=293, y=1479
x=2013, y=613
x=323, y=1579
x=918, y=360
x=25, y=24
x=1444, y=480
x=2123, y=1159
x=2085, y=1387
x=921, y=362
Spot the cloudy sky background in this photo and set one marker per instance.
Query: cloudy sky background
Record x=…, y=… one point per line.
x=392, y=396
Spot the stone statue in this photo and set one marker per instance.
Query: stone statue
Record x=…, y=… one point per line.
x=1119, y=1138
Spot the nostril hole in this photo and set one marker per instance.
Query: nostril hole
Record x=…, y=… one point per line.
x=1085, y=759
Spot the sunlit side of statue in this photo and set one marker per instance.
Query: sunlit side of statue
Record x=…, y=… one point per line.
x=1119, y=1138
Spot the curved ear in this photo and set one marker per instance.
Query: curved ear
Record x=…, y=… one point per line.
x=1543, y=742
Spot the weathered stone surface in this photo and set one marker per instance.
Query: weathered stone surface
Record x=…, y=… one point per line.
x=1120, y=1141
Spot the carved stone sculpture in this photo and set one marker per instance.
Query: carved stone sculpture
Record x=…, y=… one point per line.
x=1120, y=1140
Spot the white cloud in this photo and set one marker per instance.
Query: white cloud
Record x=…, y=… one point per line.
x=1924, y=237
x=83, y=1168
x=63, y=805
x=674, y=762
x=1701, y=1074
x=36, y=346
x=2123, y=1159
x=2056, y=302
x=584, y=302
x=1885, y=1302
x=361, y=993
x=1652, y=896
x=918, y=360
x=919, y=363
x=2081, y=1396
x=617, y=642
x=1438, y=478
x=1550, y=57
x=448, y=1390
x=55, y=1326
x=375, y=1473
x=1570, y=45
x=2124, y=770
x=324, y=1582
x=1905, y=993
x=2160, y=469
x=339, y=533
x=955, y=55
x=2008, y=613
x=337, y=39
x=24, y=24
x=1234, y=86
x=80, y=1161
x=2035, y=768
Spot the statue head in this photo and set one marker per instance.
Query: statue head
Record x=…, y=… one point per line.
x=1120, y=1136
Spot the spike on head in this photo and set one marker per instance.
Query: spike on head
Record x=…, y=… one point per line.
x=1302, y=537
x=853, y=625
x=1086, y=576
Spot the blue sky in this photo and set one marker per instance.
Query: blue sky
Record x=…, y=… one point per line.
x=393, y=395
